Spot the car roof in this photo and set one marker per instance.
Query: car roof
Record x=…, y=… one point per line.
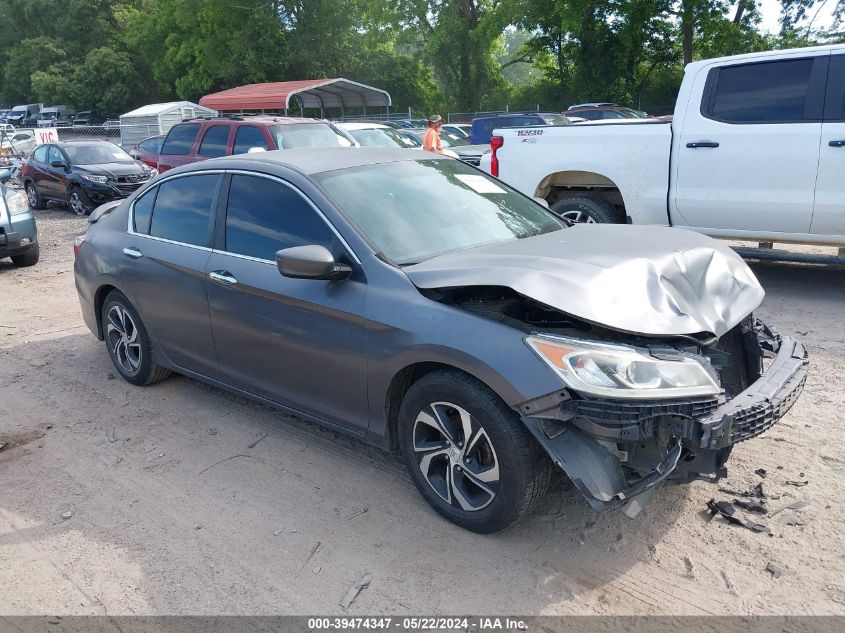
x=262, y=119
x=315, y=161
x=81, y=142
x=594, y=104
x=360, y=125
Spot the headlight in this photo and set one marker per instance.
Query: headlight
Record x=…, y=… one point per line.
x=17, y=203
x=100, y=179
x=617, y=371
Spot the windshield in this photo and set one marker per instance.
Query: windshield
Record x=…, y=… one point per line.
x=555, y=119
x=96, y=154
x=452, y=140
x=381, y=137
x=414, y=210
x=300, y=135
x=48, y=115
x=19, y=110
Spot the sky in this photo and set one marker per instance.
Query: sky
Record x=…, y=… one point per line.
x=770, y=10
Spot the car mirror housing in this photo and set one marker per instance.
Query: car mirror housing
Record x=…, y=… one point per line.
x=5, y=175
x=58, y=164
x=310, y=262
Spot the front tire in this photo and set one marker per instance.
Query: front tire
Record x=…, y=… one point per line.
x=469, y=454
x=33, y=197
x=585, y=210
x=128, y=343
x=79, y=202
x=29, y=258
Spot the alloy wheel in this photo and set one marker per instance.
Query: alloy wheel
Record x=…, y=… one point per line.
x=32, y=196
x=122, y=337
x=456, y=457
x=578, y=217
x=76, y=204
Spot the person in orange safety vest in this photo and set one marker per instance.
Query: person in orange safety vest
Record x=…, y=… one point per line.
x=431, y=140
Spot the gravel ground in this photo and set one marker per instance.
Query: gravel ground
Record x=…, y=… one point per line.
x=116, y=499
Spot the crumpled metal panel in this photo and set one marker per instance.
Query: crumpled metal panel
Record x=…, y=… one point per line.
x=641, y=279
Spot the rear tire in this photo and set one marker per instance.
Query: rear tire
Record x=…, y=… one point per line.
x=585, y=210
x=129, y=345
x=29, y=258
x=469, y=454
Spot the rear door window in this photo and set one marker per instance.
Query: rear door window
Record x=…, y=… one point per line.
x=182, y=209
x=767, y=92
x=180, y=139
x=215, y=141
x=835, y=101
x=40, y=154
x=249, y=136
x=265, y=216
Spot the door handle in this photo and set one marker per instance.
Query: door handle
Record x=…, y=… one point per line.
x=839, y=143
x=700, y=144
x=223, y=277
x=134, y=253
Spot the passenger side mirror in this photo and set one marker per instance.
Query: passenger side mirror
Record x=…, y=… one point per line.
x=255, y=150
x=58, y=164
x=310, y=262
x=5, y=175
x=542, y=202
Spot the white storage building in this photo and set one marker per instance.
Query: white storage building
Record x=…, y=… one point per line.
x=157, y=118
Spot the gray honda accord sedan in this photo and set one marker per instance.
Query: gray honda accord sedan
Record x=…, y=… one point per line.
x=423, y=306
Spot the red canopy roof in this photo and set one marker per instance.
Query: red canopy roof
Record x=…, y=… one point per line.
x=310, y=93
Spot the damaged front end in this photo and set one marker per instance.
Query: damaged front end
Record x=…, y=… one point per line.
x=616, y=450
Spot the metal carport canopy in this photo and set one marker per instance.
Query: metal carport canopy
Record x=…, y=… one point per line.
x=311, y=93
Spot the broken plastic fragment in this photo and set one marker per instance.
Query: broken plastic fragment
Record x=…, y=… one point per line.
x=726, y=510
x=752, y=506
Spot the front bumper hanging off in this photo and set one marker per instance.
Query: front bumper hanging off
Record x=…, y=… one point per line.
x=579, y=435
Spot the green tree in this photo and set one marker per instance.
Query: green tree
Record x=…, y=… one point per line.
x=24, y=59
x=106, y=81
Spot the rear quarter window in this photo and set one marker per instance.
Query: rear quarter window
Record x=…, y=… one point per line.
x=180, y=139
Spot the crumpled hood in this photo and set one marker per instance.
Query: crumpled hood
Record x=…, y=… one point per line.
x=640, y=279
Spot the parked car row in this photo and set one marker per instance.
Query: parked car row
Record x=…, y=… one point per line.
x=34, y=115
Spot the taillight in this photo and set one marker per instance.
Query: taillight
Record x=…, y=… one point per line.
x=495, y=143
x=78, y=241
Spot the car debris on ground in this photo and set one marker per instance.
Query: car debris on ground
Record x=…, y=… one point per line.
x=795, y=505
x=357, y=587
x=727, y=512
x=752, y=506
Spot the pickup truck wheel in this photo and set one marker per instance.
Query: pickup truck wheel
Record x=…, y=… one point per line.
x=33, y=197
x=29, y=258
x=129, y=345
x=469, y=454
x=585, y=210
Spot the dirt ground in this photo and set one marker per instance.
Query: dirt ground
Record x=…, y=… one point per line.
x=183, y=499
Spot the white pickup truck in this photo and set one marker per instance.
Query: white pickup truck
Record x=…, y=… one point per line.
x=755, y=150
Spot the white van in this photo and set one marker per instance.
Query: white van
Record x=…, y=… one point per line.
x=55, y=116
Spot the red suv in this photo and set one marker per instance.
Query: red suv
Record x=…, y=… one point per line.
x=199, y=139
